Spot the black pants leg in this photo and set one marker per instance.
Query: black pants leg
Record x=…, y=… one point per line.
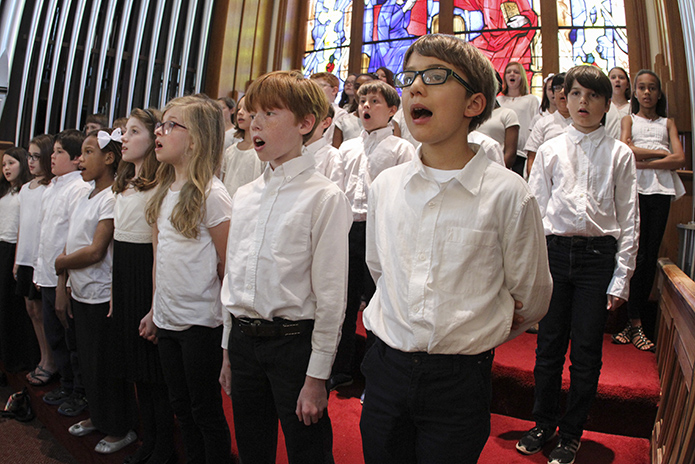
x=191, y=361
x=55, y=335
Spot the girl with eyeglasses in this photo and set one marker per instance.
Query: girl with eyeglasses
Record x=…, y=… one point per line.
x=189, y=214
x=39, y=162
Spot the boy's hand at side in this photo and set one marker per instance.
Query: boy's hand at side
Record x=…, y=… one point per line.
x=312, y=401
x=147, y=328
x=614, y=303
x=62, y=305
x=518, y=319
x=226, y=374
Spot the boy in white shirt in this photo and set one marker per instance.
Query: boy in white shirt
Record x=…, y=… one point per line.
x=284, y=284
x=364, y=158
x=326, y=156
x=330, y=84
x=551, y=125
x=59, y=201
x=455, y=244
x=585, y=184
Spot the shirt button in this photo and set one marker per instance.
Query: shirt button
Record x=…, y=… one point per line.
x=430, y=204
x=288, y=178
x=421, y=257
x=249, y=287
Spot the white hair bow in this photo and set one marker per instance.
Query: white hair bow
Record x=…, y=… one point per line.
x=104, y=138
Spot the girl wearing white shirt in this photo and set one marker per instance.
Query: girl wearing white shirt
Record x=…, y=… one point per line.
x=515, y=95
x=654, y=141
x=87, y=259
x=39, y=160
x=620, y=101
x=240, y=164
x=132, y=287
x=190, y=213
x=17, y=345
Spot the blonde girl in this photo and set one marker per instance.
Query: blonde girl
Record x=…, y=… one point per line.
x=515, y=95
x=658, y=152
x=87, y=259
x=18, y=349
x=189, y=213
x=39, y=161
x=132, y=287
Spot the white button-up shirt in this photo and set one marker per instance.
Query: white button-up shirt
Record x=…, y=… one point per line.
x=287, y=255
x=58, y=202
x=449, y=259
x=585, y=185
x=548, y=127
x=364, y=158
x=328, y=161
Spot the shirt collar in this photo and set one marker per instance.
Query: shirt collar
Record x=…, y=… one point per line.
x=470, y=177
x=314, y=147
x=66, y=177
x=376, y=135
x=291, y=168
x=594, y=137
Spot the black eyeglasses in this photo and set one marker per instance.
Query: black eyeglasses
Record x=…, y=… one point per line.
x=431, y=76
x=33, y=157
x=558, y=88
x=168, y=126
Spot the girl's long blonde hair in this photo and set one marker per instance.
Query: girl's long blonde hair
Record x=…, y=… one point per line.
x=524, y=88
x=203, y=119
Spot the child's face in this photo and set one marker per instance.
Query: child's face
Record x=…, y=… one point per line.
x=349, y=86
x=91, y=126
x=330, y=91
x=34, y=160
x=171, y=148
x=586, y=108
x=647, y=91
x=10, y=168
x=437, y=115
x=549, y=92
x=277, y=136
x=381, y=74
x=374, y=112
x=242, y=117
x=560, y=99
x=92, y=161
x=619, y=81
x=61, y=163
x=512, y=76
x=136, y=141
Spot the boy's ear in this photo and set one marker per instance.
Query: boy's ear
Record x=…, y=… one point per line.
x=392, y=111
x=76, y=159
x=475, y=105
x=306, y=124
x=327, y=121
x=608, y=104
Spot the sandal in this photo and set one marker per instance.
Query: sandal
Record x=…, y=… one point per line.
x=623, y=338
x=40, y=377
x=640, y=340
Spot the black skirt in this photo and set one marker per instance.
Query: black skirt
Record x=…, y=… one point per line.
x=19, y=349
x=135, y=357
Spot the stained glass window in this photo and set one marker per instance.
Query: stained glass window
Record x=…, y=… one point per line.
x=592, y=32
x=328, y=37
x=504, y=30
x=390, y=26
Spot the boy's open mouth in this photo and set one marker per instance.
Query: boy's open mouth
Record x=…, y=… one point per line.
x=258, y=142
x=420, y=113
x=583, y=111
x=366, y=116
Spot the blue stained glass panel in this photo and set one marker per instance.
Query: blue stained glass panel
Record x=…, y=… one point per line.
x=328, y=37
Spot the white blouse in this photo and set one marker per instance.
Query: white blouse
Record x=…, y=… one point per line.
x=29, y=224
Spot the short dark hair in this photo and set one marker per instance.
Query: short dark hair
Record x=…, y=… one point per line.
x=377, y=86
x=97, y=118
x=71, y=141
x=558, y=79
x=590, y=77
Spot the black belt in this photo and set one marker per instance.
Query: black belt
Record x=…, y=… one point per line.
x=276, y=328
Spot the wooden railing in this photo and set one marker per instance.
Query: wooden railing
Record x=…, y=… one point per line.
x=673, y=439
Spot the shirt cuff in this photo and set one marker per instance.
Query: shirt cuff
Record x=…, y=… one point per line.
x=320, y=365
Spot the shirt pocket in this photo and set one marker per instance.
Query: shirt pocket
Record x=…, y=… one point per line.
x=470, y=261
x=292, y=234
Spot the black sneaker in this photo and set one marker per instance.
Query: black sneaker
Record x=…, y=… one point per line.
x=57, y=396
x=73, y=405
x=533, y=440
x=565, y=452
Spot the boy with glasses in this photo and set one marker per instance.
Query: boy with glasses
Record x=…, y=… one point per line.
x=455, y=243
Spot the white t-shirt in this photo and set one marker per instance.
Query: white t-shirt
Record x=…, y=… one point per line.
x=9, y=212
x=29, y=224
x=91, y=284
x=129, y=220
x=57, y=205
x=239, y=167
x=497, y=125
x=614, y=118
x=187, y=286
x=525, y=107
x=548, y=127
x=489, y=147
